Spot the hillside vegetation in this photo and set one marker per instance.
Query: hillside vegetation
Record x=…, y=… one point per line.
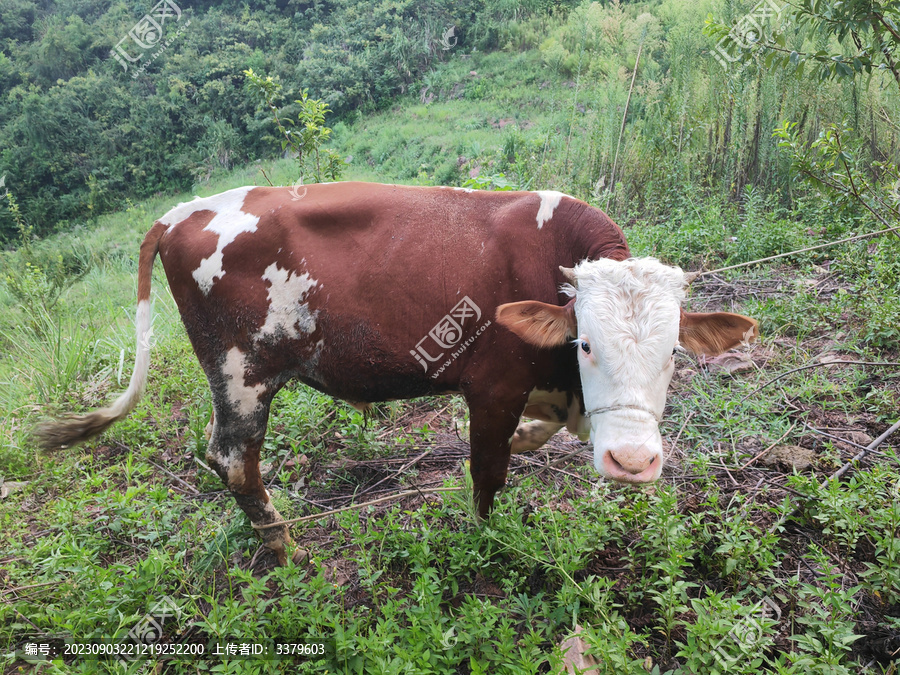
x=745, y=558
x=80, y=133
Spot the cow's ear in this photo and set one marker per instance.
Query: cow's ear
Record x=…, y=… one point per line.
x=712, y=334
x=539, y=323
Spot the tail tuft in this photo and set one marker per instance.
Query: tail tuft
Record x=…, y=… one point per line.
x=73, y=429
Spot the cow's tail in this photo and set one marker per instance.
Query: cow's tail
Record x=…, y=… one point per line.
x=74, y=429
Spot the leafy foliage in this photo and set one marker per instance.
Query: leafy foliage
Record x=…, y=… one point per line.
x=304, y=137
x=832, y=164
x=868, y=31
x=79, y=135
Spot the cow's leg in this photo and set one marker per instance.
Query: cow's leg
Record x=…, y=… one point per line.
x=491, y=428
x=532, y=435
x=233, y=451
x=207, y=432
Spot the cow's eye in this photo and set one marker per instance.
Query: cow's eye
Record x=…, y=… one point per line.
x=585, y=346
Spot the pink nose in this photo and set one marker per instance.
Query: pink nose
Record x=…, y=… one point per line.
x=632, y=464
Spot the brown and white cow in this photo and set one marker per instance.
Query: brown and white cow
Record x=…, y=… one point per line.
x=525, y=302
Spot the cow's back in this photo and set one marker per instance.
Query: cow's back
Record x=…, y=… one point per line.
x=341, y=286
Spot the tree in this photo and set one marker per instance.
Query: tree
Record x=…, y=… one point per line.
x=831, y=164
x=305, y=136
x=868, y=34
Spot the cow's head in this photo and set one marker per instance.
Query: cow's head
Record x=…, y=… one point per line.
x=626, y=321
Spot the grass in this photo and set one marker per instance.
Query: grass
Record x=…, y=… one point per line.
x=715, y=569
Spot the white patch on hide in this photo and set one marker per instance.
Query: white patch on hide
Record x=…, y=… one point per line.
x=287, y=310
x=244, y=399
x=228, y=222
x=234, y=466
x=549, y=201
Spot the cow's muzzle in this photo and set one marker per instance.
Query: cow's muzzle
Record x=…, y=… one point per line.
x=618, y=457
x=631, y=464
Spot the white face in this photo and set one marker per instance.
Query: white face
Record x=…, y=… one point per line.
x=628, y=321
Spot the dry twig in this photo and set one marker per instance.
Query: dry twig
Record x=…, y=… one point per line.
x=324, y=514
x=862, y=453
x=802, y=250
x=817, y=365
x=190, y=487
x=398, y=471
x=8, y=591
x=840, y=472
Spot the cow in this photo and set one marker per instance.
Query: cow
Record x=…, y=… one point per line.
x=527, y=303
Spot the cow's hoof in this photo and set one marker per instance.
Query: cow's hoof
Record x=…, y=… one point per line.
x=299, y=556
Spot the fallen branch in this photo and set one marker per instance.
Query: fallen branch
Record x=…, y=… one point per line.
x=544, y=467
x=678, y=435
x=817, y=365
x=324, y=514
x=25, y=588
x=845, y=441
x=554, y=464
x=399, y=471
x=862, y=453
x=277, y=471
x=834, y=438
x=25, y=618
x=205, y=466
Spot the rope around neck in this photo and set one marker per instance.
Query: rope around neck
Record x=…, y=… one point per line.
x=611, y=408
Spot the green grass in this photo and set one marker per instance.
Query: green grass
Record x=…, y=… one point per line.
x=668, y=578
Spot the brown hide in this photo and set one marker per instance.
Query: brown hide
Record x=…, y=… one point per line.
x=390, y=262
x=352, y=289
